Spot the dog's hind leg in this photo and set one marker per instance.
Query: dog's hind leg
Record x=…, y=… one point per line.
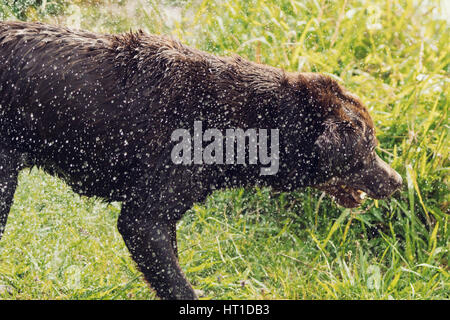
x=9, y=170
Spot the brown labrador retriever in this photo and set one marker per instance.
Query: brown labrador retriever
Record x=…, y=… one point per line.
x=100, y=112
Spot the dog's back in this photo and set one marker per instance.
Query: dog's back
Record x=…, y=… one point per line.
x=63, y=104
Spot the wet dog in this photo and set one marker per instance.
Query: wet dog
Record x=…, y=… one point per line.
x=99, y=111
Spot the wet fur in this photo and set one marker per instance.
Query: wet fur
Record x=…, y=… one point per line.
x=98, y=111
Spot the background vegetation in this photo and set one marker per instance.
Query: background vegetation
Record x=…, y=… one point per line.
x=253, y=244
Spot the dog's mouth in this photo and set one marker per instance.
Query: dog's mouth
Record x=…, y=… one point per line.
x=377, y=181
x=344, y=195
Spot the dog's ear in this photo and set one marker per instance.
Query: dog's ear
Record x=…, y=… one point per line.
x=335, y=145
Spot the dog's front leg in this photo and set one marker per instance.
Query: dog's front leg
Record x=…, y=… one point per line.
x=150, y=241
x=9, y=170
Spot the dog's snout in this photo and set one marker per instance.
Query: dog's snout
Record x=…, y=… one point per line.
x=379, y=180
x=389, y=180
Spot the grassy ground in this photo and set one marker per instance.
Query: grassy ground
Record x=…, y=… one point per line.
x=253, y=244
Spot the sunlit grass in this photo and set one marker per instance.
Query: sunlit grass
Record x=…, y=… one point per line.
x=253, y=244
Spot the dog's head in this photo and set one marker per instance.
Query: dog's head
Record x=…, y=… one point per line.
x=347, y=157
x=346, y=165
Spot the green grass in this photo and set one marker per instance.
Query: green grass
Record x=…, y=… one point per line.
x=254, y=244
